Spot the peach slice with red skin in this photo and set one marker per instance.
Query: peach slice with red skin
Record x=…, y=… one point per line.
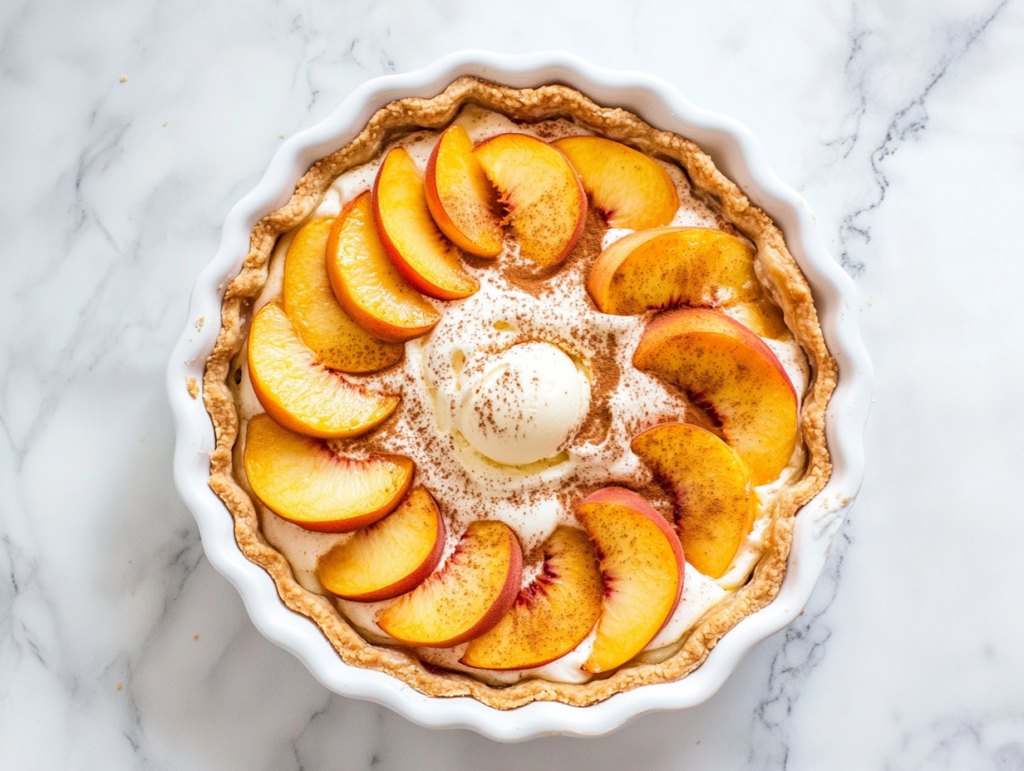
x=335, y=339
x=730, y=372
x=539, y=188
x=467, y=597
x=715, y=504
x=669, y=267
x=631, y=189
x=299, y=392
x=552, y=615
x=642, y=564
x=420, y=252
x=390, y=557
x=306, y=482
x=367, y=283
x=462, y=201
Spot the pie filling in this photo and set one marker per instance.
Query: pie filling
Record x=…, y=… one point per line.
x=523, y=400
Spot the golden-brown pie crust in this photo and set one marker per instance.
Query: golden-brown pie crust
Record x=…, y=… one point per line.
x=775, y=266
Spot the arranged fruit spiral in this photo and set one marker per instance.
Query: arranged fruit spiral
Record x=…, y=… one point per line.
x=357, y=286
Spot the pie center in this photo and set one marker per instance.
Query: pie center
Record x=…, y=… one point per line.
x=522, y=405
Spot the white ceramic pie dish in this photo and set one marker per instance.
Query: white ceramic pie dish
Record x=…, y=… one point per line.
x=738, y=155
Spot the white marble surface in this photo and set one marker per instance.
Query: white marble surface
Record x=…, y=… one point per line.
x=120, y=648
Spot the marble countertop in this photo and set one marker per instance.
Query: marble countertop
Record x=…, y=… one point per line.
x=130, y=128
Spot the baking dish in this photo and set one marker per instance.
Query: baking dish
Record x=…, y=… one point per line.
x=738, y=156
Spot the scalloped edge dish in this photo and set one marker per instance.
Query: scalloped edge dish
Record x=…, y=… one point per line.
x=738, y=156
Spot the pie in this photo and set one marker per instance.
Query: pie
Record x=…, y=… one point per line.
x=518, y=397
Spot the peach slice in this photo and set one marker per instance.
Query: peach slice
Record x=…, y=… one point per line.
x=729, y=371
x=390, y=557
x=631, y=189
x=642, y=563
x=467, y=597
x=663, y=268
x=299, y=392
x=761, y=316
x=715, y=505
x=367, y=283
x=304, y=481
x=545, y=200
x=552, y=615
x=424, y=257
x=336, y=340
x=669, y=267
x=463, y=203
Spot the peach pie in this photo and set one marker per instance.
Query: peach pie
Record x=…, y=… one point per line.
x=518, y=397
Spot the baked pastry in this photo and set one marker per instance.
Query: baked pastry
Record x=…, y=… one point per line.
x=519, y=548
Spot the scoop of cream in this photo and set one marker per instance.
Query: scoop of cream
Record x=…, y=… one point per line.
x=523, y=404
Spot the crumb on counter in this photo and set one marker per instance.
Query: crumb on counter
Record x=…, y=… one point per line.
x=192, y=386
x=123, y=79
x=202, y=319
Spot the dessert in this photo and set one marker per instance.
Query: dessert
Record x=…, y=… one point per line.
x=546, y=434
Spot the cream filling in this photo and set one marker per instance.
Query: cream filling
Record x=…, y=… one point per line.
x=469, y=486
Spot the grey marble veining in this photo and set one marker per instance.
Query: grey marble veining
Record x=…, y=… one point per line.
x=127, y=131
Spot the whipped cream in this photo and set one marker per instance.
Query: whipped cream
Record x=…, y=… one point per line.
x=520, y=405
x=459, y=418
